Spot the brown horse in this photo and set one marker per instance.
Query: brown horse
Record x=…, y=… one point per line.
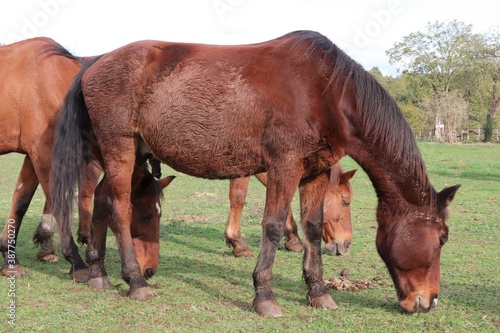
x=337, y=227
x=145, y=228
x=36, y=75
x=291, y=107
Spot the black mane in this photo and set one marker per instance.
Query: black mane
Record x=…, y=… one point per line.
x=58, y=50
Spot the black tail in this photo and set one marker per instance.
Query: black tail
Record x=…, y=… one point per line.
x=69, y=158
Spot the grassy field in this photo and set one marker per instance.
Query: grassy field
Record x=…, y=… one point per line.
x=201, y=287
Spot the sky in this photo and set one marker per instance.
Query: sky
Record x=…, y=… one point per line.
x=363, y=29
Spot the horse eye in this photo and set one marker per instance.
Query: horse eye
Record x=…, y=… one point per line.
x=345, y=203
x=145, y=217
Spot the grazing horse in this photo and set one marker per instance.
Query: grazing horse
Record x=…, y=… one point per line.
x=291, y=107
x=337, y=227
x=36, y=75
x=145, y=228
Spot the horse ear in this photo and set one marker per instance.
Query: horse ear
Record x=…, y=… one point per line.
x=165, y=181
x=346, y=176
x=445, y=197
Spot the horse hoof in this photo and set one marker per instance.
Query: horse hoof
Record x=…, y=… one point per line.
x=268, y=308
x=16, y=270
x=101, y=283
x=141, y=294
x=324, y=301
x=81, y=275
x=294, y=245
x=49, y=257
x=242, y=251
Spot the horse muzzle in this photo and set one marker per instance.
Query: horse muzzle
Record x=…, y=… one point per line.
x=419, y=303
x=338, y=248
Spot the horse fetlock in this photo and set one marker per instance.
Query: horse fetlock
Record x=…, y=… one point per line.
x=45, y=229
x=92, y=255
x=83, y=237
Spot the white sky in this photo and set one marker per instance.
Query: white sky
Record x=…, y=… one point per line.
x=364, y=29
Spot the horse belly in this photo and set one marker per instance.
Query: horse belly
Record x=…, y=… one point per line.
x=205, y=128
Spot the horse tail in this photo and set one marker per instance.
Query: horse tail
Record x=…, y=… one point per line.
x=70, y=156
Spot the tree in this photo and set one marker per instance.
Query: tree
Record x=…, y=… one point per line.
x=449, y=57
x=440, y=53
x=493, y=66
x=450, y=111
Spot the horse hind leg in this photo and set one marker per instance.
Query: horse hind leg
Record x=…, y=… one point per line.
x=44, y=236
x=311, y=200
x=237, y=194
x=26, y=185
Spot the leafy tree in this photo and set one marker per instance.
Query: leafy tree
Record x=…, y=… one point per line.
x=439, y=54
x=449, y=57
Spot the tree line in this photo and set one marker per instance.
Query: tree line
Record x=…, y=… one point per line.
x=448, y=79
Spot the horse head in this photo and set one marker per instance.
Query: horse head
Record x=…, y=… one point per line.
x=411, y=249
x=337, y=227
x=145, y=228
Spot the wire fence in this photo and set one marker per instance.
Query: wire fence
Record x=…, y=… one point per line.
x=466, y=135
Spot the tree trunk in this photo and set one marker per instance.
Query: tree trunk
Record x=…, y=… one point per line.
x=488, y=128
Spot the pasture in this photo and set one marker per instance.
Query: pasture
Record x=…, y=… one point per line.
x=200, y=286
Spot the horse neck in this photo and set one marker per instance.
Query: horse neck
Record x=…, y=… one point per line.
x=385, y=148
x=391, y=180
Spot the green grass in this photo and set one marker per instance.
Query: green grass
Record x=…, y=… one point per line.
x=200, y=287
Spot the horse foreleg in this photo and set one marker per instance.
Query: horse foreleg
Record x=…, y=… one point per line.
x=26, y=185
x=237, y=194
x=279, y=195
x=90, y=179
x=312, y=194
x=96, y=249
x=292, y=239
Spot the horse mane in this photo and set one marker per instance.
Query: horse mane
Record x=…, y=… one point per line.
x=59, y=50
x=381, y=120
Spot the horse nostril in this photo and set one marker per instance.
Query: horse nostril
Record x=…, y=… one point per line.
x=434, y=302
x=149, y=272
x=347, y=245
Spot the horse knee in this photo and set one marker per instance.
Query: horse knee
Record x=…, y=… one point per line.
x=273, y=232
x=313, y=230
x=238, y=198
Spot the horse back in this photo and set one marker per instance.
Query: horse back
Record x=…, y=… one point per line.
x=231, y=105
x=34, y=82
